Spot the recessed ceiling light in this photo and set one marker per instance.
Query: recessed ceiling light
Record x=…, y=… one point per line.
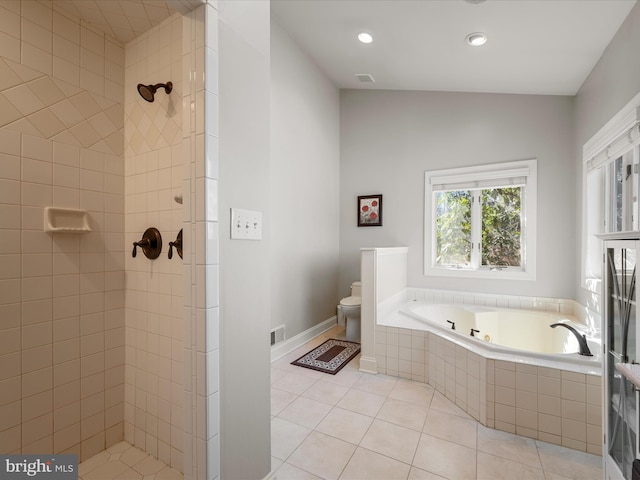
x=365, y=37
x=476, y=39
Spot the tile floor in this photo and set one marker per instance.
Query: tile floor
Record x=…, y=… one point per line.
x=124, y=462
x=360, y=426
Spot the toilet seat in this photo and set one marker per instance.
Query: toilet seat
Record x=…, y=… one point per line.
x=351, y=301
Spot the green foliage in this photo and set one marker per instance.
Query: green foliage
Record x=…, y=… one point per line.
x=453, y=232
x=501, y=227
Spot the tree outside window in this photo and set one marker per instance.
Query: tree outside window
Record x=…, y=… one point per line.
x=479, y=227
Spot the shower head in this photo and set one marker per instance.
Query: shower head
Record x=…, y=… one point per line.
x=148, y=91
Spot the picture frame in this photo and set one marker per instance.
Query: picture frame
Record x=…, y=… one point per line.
x=370, y=210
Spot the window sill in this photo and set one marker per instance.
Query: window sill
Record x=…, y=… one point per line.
x=483, y=273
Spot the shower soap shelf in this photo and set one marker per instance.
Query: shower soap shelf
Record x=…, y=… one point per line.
x=69, y=220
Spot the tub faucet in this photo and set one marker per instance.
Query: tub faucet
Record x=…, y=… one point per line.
x=473, y=332
x=453, y=324
x=582, y=339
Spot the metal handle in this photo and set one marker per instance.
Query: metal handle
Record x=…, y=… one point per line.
x=151, y=244
x=177, y=244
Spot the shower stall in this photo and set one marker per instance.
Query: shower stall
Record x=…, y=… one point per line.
x=98, y=345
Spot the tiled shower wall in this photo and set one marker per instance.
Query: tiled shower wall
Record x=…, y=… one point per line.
x=61, y=294
x=154, y=301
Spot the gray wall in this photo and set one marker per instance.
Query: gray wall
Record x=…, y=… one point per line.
x=612, y=83
x=305, y=169
x=244, y=265
x=389, y=139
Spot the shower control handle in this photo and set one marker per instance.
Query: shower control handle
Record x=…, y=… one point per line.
x=474, y=331
x=151, y=244
x=144, y=243
x=177, y=244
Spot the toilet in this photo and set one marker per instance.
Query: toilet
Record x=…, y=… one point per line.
x=349, y=312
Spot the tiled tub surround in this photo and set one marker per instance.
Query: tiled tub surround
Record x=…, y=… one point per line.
x=550, y=404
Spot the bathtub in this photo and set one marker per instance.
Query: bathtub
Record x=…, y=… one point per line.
x=520, y=336
x=516, y=375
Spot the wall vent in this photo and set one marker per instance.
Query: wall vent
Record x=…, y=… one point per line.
x=364, y=77
x=277, y=335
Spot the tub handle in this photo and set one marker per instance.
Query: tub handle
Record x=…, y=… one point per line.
x=474, y=331
x=453, y=324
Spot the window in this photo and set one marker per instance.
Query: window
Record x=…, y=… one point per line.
x=610, y=189
x=480, y=221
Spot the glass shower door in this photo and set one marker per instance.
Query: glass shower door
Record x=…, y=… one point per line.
x=620, y=317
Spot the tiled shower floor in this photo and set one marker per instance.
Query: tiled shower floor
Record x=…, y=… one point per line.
x=125, y=462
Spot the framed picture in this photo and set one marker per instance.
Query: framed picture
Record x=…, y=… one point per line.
x=370, y=211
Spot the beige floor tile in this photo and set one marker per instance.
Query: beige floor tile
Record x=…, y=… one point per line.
x=412, y=392
x=289, y=472
x=93, y=463
x=280, y=399
x=286, y=437
x=149, y=466
x=403, y=413
x=132, y=456
x=322, y=455
x=392, y=440
x=326, y=392
x=362, y=402
x=275, y=463
x=168, y=473
x=440, y=402
x=106, y=471
x=277, y=374
x=445, y=458
x=555, y=476
x=378, y=384
x=508, y=445
x=345, y=425
x=347, y=376
x=451, y=427
x=417, y=474
x=570, y=463
x=295, y=382
x=365, y=464
x=306, y=412
x=491, y=467
x=130, y=474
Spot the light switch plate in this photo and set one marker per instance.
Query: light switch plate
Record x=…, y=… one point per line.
x=246, y=224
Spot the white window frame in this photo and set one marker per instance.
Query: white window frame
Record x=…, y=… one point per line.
x=475, y=177
x=618, y=136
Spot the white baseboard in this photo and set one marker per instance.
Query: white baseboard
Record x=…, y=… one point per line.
x=280, y=350
x=271, y=476
x=368, y=365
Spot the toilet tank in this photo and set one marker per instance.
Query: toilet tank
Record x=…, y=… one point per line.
x=356, y=289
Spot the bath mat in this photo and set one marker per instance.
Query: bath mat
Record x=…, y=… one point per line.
x=330, y=357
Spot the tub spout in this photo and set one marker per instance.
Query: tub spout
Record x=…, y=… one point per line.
x=582, y=339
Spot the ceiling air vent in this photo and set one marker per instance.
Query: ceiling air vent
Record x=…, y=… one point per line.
x=364, y=77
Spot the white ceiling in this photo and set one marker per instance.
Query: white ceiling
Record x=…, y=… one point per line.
x=534, y=46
